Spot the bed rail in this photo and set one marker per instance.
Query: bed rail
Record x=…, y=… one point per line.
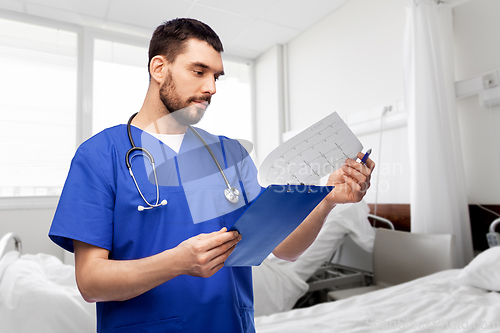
x=5, y=240
x=381, y=219
x=493, y=237
x=494, y=224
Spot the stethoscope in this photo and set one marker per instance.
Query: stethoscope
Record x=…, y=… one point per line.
x=231, y=193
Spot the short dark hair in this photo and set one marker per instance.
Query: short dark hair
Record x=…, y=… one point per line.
x=170, y=38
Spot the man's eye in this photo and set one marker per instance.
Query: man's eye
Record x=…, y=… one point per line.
x=198, y=73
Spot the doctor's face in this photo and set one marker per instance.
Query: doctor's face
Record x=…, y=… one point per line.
x=189, y=82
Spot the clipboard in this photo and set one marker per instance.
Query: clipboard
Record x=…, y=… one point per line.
x=275, y=214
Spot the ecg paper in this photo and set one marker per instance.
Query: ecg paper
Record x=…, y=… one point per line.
x=310, y=155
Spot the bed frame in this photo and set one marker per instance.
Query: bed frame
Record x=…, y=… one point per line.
x=4, y=241
x=331, y=276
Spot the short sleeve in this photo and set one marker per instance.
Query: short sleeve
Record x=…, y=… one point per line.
x=85, y=208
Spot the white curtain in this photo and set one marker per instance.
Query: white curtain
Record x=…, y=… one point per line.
x=438, y=193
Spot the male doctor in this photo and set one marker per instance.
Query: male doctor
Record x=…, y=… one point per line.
x=162, y=269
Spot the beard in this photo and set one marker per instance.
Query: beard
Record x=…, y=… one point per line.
x=182, y=110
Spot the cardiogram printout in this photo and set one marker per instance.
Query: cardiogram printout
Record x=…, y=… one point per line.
x=312, y=154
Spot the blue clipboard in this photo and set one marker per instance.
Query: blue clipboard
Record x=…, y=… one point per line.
x=271, y=218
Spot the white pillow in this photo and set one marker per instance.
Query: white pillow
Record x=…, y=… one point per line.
x=483, y=272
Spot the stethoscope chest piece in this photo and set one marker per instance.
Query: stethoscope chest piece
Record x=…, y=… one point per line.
x=232, y=194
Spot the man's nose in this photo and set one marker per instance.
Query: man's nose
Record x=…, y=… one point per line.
x=209, y=86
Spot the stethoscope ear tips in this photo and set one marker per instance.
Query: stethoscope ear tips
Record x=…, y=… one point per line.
x=162, y=203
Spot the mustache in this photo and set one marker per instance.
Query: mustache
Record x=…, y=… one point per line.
x=200, y=99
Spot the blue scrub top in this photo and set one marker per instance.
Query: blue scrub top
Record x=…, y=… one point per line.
x=98, y=206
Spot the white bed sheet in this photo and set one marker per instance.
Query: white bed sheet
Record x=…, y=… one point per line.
x=435, y=303
x=38, y=293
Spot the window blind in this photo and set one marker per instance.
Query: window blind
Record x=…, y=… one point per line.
x=38, y=99
x=120, y=82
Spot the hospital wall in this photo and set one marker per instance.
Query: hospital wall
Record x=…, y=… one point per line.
x=477, y=48
x=352, y=61
x=32, y=225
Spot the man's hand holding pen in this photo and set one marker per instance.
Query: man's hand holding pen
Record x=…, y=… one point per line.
x=351, y=181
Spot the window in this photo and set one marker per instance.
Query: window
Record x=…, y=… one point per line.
x=121, y=80
x=39, y=126
x=38, y=100
x=230, y=112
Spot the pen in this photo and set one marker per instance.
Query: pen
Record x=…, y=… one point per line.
x=365, y=157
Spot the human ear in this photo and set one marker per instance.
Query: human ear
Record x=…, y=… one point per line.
x=156, y=67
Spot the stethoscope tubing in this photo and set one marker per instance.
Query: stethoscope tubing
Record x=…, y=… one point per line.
x=211, y=154
x=231, y=193
x=157, y=187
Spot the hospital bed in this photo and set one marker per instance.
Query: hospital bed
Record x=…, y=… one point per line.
x=38, y=293
x=338, y=274
x=399, y=257
x=447, y=301
x=465, y=300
